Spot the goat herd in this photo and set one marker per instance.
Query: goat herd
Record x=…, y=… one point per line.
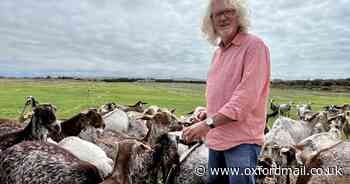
x=117, y=144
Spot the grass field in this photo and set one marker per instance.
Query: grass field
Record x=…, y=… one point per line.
x=73, y=96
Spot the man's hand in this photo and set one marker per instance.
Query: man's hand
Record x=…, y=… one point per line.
x=200, y=117
x=195, y=132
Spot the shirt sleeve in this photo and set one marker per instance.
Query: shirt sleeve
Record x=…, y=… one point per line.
x=256, y=76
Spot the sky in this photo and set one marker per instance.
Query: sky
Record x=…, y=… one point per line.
x=162, y=38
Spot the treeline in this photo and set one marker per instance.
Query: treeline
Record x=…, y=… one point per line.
x=316, y=83
x=121, y=79
x=322, y=84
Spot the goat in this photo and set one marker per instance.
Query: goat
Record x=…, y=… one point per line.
x=30, y=101
x=37, y=162
x=159, y=125
x=333, y=156
x=274, y=107
x=298, y=155
x=165, y=153
x=138, y=107
x=346, y=127
x=268, y=116
x=132, y=162
x=302, y=110
x=88, y=152
x=117, y=120
x=284, y=132
x=191, y=117
x=151, y=110
x=8, y=126
x=284, y=109
x=198, y=158
x=137, y=127
x=43, y=120
x=341, y=122
x=337, y=108
x=106, y=108
x=192, y=156
x=319, y=151
x=331, y=109
x=85, y=125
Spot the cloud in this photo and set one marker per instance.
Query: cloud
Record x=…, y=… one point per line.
x=162, y=38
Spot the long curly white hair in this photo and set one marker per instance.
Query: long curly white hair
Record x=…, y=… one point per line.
x=207, y=27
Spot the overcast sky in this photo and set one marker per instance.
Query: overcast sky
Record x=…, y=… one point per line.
x=162, y=39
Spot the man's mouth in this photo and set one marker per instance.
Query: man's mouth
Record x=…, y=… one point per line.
x=224, y=26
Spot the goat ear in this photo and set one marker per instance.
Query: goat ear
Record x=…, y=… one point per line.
x=313, y=116
x=347, y=114
x=332, y=118
x=21, y=118
x=146, y=117
x=289, y=152
x=148, y=125
x=189, y=113
x=172, y=111
x=92, y=109
x=298, y=147
x=297, y=151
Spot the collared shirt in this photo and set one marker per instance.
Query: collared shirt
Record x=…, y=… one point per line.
x=238, y=87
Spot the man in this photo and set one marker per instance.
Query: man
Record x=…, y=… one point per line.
x=237, y=91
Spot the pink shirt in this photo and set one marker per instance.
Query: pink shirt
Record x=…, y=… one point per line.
x=238, y=87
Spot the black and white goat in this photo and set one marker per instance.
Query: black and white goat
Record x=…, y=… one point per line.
x=303, y=110
x=43, y=120
x=86, y=125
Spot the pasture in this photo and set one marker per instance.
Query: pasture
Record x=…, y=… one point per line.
x=71, y=96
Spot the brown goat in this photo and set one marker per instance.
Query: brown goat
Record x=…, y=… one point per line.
x=165, y=154
x=76, y=126
x=138, y=107
x=41, y=162
x=8, y=126
x=131, y=163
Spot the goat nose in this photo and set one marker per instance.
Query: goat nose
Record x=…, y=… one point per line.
x=99, y=131
x=55, y=126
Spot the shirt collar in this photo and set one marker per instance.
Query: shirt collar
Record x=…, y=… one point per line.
x=237, y=41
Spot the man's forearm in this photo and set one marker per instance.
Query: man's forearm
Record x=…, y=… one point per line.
x=220, y=119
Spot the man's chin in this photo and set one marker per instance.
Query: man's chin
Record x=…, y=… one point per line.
x=225, y=33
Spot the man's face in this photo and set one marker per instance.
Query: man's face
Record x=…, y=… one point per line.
x=224, y=19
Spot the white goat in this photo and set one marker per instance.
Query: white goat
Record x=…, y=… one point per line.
x=88, y=152
x=284, y=109
x=303, y=110
x=116, y=120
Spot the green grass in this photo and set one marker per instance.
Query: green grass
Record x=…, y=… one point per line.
x=72, y=97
